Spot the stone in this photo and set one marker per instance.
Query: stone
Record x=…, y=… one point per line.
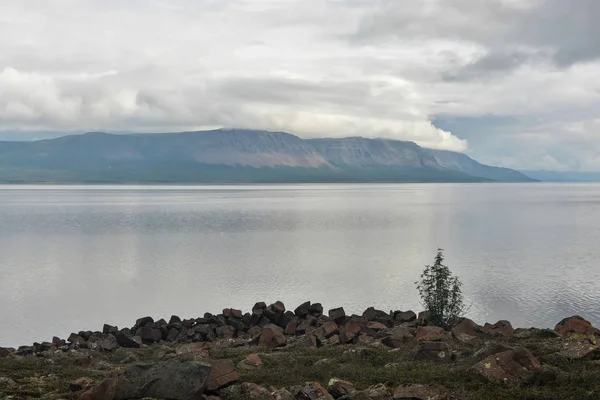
x=235, y=313
x=376, y=392
x=429, y=333
x=491, y=348
x=351, y=330
x=259, y=308
x=108, y=342
x=127, y=340
x=250, y=363
x=406, y=316
x=80, y=384
x=222, y=374
x=148, y=334
x=278, y=306
x=509, y=366
x=465, y=326
x=575, y=325
x=174, y=319
x=272, y=336
x=316, y=309
x=290, y=328
x=226, y=331
x=433, y=351
x=313, y=391
x=338, y=315
x=376, y=326
x=6, y=352
x=420, y=392
x=75, y=339
x=56, y=341
x=330, y=329
x=579, y=350
x=395, y=337
x=307, y=342
x=106, y=329
x=252, y=391
x=338, y=388
x=302, y=310
x=196, y=350
x=282, y=394
x=502, y=327
x=172, y=380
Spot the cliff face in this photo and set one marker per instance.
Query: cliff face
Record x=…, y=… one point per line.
x=235, y=155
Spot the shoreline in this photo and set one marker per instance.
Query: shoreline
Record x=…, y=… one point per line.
x=233, y=355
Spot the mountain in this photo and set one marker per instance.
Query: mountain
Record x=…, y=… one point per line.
x=566, y=176
x=235, y=156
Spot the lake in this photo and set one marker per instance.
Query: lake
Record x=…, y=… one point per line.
x=75, y=257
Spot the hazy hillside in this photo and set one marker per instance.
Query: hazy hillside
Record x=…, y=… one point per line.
x=235, y=155
x=567, y=176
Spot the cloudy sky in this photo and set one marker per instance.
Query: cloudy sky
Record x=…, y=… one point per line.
x=511, y=82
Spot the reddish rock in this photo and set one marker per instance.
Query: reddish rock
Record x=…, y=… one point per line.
x=225, y=332
x=508, y=367
x=420, y=392
x=338, y=315
x=251, y=362
x=235, y=313
x=291, y=327
x=466, y=326
x=313, y=391
x=350, y=331
x=502, y=327
x=80, y=384
x=491, y=348
x=429, y=333
x=222, y=374
x=433, y=351
x=330, y=329
x=278, y=306
x=395, y=337
x=406, y=316
x=376, y=326
x=338, y=388
x=575, y=325
x=272, y=336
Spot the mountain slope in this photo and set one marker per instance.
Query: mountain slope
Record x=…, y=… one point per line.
x=234, y=155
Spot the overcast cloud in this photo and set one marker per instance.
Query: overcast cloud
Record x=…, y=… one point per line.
x=511, y=82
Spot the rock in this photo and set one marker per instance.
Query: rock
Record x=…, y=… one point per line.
x=226, y=332
x=307, y=342
x=316, y=309
x=420, y=392
x=423, y=318
x=291, y=327
x=278, y=306
x=433, y=351
x=75, y=339
x=491, y=348
x=253, y=391
x=5, y=352
x=509, y=366
x=222, y=374
x=302, y=310
x=108, y=342
x=282, y=394
x=330, y=329
x=172, y=380
x=251, y=362
x=521, y=333
x=56, y=341
x=80, y=384
x=465, y=326
x=338, y=315
x=406, y=316
x=272, y=336
x=580, y=350
x=350, y=332
x=376, y=326
x=338, y=388
x=127, y=340
x=395, y=337
x=547, y=333
x=259, y=308
x=502, y=327
x=174, y=320
x=235, y=313
x=313, y=391
x=144, y=321
x=377, y=392
x=429, y=333
x=106, y=329
x=194, y=350
x=575, y=325
x=148, y=334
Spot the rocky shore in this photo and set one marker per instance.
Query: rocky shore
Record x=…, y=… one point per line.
x=308, y=354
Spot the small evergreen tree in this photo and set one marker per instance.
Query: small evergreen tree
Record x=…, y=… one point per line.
x=441, y=293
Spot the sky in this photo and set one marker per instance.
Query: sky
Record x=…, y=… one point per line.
x=510, y=82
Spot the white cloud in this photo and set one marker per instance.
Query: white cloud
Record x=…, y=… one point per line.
x=314, y=68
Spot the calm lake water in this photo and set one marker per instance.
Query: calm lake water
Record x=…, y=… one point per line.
x=75, y=257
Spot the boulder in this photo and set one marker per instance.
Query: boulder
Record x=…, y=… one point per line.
x=338, y=315
x=405, y=316
x=575, y=325
x=107, y=342
x=465, y=326
x=429, y=333
x=74, y=338
x=509, y=366
x=58, y=342
x=395, y=337
x=491, y=348
x=222, y=374
x=251, y=362
x=350, y=331
x=110, y=329
x=125, y=339
x=420, y=392
x=172, y=380
x=225, y=332
x=376, y=326
x=316, y=309
x=433, y=351
x=5, y=352
x=312, y=391
x=338, y=388
x=302, y=310
x=502, y=328
x=272, y=336
x=579, y=350
x=330, y=329
x=290, y=328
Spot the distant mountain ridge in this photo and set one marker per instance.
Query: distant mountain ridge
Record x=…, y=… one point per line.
x=236, y=155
